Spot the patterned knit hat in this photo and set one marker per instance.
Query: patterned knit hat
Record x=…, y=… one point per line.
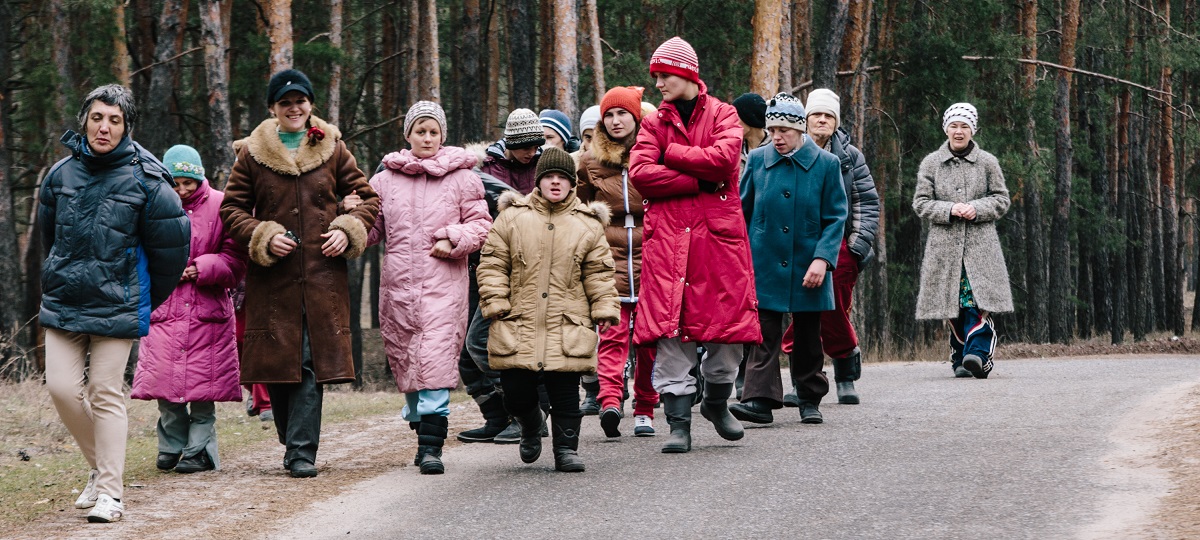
x=184, y=161
x=425, y=109
x=961, y=112
x=589, y=119
x=523, y=130
x=825, y=101
x=558, y=121
x=785, y=110
x=676, y=57
x=555, y=159
x=751, y=109
x=624, y=97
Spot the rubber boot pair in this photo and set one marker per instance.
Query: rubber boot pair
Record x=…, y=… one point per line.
x=431, y=436
x=714, y=407
x=566, y=441
x=845, y=372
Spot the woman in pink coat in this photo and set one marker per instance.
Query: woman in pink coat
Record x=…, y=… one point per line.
x=190, y=360
x=433, y=215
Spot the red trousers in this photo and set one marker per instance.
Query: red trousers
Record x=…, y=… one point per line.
x=838, y=338
x=259, y=400
x=610, y=367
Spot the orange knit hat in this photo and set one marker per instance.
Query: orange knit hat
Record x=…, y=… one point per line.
x=625, y=97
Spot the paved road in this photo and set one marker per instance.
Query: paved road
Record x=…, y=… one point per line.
x=925, y=456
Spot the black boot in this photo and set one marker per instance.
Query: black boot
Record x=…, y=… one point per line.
x=810, y=413
x=678, y=410
x=845, y=372
x=754, y=410
x=591, y=398
x=531, y=434
x=715, y=409
x=566, y=442
x=495, y=420
x=416, y=426
x=431, y=435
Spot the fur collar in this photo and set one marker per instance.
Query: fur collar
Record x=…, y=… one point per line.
x=598, y=210
x=610, y=153
x=266, y=148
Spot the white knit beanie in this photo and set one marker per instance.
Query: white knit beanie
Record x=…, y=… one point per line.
x=589, y=119
x=961, y=112
x=823, y=100
x=785, y=110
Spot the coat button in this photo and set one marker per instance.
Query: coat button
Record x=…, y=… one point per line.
x=783, y=264
x=295, y=211
x=550, y=226
x=681, y=280
x=544, y=295
x=785, y=228
x=687, y=229
x=787, y=194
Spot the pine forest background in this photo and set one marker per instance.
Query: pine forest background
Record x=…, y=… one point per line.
x=1088, y=105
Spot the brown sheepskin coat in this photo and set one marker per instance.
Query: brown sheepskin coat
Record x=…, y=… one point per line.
x=270, y=191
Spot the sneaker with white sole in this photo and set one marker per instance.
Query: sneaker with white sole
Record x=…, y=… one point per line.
x=643, y=426
x=107, y=510
x=87, y=499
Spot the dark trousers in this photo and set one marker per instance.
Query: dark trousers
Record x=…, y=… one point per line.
x=972, y=333
x=521, y=391
x=297, y=410
x=763, y=379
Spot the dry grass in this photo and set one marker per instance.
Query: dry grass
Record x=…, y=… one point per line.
x=53, y=471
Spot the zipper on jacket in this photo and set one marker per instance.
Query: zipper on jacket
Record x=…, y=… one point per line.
x=128, y=271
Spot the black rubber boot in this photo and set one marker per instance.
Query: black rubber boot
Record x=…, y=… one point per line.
x=566, y=442
x=591, y=398
x=715, y=409
x=416, y=426
x=845, y=372
x=431, y=435
x=757, y=411
x=532, y=423
x=678, y=410
x=495, y=418
x=810, y=413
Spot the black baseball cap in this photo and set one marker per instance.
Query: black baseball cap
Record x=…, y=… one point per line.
x=287, y=80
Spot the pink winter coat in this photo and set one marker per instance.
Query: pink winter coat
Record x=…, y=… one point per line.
x=423, y=299
x=697, y=277
x=191, y=351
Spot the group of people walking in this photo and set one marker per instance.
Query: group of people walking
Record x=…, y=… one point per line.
x=689, y=233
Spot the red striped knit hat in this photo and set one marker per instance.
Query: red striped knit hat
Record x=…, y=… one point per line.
x=676, y=57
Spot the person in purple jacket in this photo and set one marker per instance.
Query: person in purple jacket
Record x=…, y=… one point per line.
x=190, y=359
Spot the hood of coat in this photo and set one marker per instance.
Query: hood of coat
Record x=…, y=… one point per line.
x=610, y=153
x=535, y=201
x=496, y=152
x=268, y=150
x=446, y=160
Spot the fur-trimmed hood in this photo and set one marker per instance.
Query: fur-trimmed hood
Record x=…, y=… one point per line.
x=612, y=153
x=268, y=150
x=534, y=199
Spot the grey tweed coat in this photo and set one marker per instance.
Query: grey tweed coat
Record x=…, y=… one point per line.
x=955, y=243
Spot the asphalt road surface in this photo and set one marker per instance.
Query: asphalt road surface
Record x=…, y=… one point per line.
x=1020, y=455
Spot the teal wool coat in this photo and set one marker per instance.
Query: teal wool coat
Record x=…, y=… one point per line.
x=795, y=208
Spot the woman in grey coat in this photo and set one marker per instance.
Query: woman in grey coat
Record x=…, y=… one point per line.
x=961, y=193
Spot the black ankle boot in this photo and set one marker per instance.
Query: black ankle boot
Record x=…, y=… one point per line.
x=431, y=435
x=678, y=410
x=491, y=406
x=715, y=409
x=566, y=442
x=532, y=423
x=845, y=372
x=591, y=399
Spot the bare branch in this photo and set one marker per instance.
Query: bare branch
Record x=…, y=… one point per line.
x=848, y=73
x=167, y=61
x=1042, y=63
x=369, y=129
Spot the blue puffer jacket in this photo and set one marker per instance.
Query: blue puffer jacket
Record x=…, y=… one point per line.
x=116, y=240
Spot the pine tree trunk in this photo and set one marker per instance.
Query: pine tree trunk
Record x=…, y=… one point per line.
x=121, y=58
x=802, y=53
x=470, y=87
x=12, y=299
x=279, y=33
x=1061, y=309
x=333, y=105
x=492, y=104
x=1172, y=254
x=431, y=84
x=412, y=47
x=829, y=49
x=764, y=53
x=596, y=58
x=1102, y=279
x=522, y=61
x=1036, y=288
x=854, y=45
x=155, y=134
x=60, y=30
x=216, y=71
x=545, y=54
x=566, y=56
x=786, y=44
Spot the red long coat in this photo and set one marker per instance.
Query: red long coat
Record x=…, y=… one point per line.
x=697, y=276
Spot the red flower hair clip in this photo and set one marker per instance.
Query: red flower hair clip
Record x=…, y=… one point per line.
x=315, y=135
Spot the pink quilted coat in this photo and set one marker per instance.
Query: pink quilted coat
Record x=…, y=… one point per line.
x=191, y=351
x=423, y=299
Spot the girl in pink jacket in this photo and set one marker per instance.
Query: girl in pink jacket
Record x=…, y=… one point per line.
x=433, y=216
x=189, y=360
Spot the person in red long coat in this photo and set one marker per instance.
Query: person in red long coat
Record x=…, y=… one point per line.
x=697, y=276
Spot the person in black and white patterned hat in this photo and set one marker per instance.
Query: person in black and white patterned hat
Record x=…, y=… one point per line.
x=514, y=158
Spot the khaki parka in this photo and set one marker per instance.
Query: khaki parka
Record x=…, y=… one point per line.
x=545, y=278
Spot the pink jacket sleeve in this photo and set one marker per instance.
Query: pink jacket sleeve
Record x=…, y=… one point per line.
x=226, y=268
x=653, y=180
x=711, y=162
x=471, y=231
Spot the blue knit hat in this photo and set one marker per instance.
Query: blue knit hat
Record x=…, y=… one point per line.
x=785, y=110
x=558, y=121
x=184, y=161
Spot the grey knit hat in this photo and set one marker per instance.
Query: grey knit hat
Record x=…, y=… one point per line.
x=523, y=130
x=785, y=110
x=425, y=109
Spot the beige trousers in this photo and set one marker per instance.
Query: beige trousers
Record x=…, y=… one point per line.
x=94, y=412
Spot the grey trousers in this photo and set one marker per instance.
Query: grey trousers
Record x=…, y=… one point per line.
x=676, y=359
x=188, y=432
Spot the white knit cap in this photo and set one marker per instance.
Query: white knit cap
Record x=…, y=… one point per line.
x=589, y=119
x=823, y=100
x=785, y=110
x=962, y=112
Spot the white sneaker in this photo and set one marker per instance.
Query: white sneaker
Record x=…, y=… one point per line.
x=643, y=426
x=107, y=510
x=87, y=499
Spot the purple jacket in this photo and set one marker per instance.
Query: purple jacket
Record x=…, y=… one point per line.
x=191, y=352
x=521, y=176
x=422, y=298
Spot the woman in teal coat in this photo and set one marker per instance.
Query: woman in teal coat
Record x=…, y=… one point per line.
x=795, y=208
